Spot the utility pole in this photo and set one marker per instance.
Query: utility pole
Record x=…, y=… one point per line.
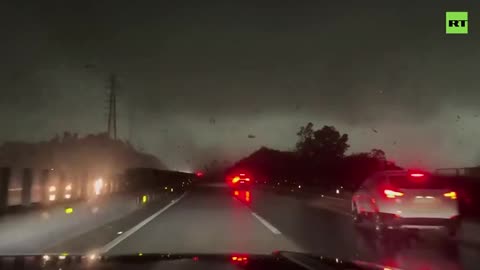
x=112, y=108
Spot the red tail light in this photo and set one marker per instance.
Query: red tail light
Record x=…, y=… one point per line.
x=452, y=195
x=239, y=258
x=392, y=194
x=416, y=175
x=237, y=179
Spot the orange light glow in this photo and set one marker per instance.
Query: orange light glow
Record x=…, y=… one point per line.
x=452, y=195
x=247, y=196
x=236, y=192
x=392, y=194
x=239, y=258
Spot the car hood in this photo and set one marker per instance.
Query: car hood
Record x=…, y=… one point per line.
x=277, y=260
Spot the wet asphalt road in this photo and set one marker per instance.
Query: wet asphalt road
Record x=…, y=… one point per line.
x=212, y=219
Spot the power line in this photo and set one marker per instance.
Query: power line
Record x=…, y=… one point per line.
x=112, y=108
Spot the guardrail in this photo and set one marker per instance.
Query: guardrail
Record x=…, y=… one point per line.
x=24, y=187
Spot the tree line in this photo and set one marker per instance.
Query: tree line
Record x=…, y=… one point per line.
x=93, y=153
x=319, y=159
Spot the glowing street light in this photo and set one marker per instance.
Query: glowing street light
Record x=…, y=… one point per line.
x=98, y=185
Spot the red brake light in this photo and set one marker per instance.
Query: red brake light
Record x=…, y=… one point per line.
x=417, y=175
x=238, y=178
x=247, y=196
x=239, y=259
x=392, y=194
x=452, y=195
x=242, y=174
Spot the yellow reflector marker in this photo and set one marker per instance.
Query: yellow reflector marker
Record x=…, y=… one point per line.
x=68, y=210
x=144, y=199
x=140, y=254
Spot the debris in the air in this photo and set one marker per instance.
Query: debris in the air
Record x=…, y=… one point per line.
x=250, y=136
x=394, y=142
x=458, y=118
x=374, y=130
x=212, y=121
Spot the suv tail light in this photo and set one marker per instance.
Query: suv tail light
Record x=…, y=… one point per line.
x=392, y=194
x=452, y=195
x=237, y=179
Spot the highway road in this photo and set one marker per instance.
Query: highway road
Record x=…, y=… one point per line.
x=210, y=219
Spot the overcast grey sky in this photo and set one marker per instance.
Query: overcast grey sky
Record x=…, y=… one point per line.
x=197, y=77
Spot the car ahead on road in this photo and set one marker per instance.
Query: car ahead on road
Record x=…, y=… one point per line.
x=406, y=200
x=240, y=181
x=278, y=260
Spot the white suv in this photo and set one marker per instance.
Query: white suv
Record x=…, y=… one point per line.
x=406, y=200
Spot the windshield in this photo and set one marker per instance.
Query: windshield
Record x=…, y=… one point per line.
x=126, y=126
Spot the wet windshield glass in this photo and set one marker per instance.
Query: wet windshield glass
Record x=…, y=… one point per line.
x=126, y=126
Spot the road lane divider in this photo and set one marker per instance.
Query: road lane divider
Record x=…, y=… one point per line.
x=137, y=227
x=266, y=224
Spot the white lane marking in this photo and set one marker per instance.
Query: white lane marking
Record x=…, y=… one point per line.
x=137, y=227
x=266, y=224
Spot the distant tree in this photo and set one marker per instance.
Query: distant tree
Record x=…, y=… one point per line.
x=357, y=167
x=267, y=164
x=305, y=135
x=326, y=142
x=378, y=154
x=319, y=159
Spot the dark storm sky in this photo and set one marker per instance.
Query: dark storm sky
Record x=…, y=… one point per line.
x=261, y=68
